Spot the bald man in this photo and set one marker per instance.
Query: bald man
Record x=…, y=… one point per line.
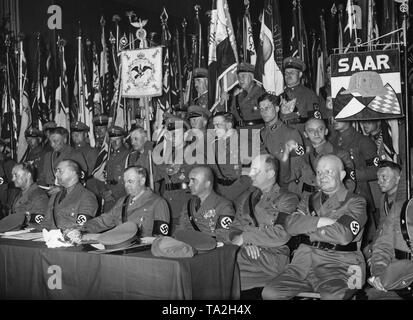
x=140, y=205
x=301, y=176
x=331, y=223
x=73, y=205
x=263, y=253
x=206, y=211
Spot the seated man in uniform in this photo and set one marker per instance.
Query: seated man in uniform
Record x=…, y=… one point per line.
x=226, y=151
x=331, y=223
x=264, y=253
x=148, y=210
x=392, y=278
x=31, y=199
x=59, y=138
x=206, y=211
x=302, y=176
x=73, y=205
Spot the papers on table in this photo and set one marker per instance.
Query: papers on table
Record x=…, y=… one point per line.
x=36, y=236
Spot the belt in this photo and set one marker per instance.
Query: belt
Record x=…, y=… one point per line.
x=246, y=123
x=352, y=246
x=176, y=186
x=402, y=255
x=225, y=182
x=309, y=188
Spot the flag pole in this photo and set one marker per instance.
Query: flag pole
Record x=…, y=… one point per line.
x=7, y=43
x=404, y=8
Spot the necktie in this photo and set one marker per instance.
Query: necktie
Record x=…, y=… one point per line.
x=197, y=203
x=62, y=195
x=324, y=198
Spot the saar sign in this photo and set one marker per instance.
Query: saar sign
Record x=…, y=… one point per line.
x=366, y=85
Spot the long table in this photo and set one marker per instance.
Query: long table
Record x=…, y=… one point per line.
x=30, y=270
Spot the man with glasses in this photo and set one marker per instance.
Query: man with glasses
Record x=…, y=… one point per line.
x=263, y=253
x=331, y=224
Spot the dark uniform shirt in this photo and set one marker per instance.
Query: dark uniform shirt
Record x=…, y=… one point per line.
x=306, y=99
x=33, y=200
x=35, y=155
x=245, y=106
x=212, y=216
x=145, y=211
x=115, y=167
x=89, y=154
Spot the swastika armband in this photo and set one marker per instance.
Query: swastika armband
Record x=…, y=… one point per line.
x=224, y=222
x=36, y=218
x=160, y=228
x=82, y=218
x=350, y=223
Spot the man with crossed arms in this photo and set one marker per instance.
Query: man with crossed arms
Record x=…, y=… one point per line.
x=331, y=223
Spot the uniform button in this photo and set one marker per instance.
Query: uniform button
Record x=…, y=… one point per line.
x=323, y=232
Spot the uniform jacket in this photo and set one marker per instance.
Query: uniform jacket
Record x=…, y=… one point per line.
x=256, y=222
x=64, y=214
x=115, y=167
x=89, y=154
x=147, y=209
x=348, y=208
x=33, y=200
x=51, y=160
x=247, y=103
x=35, y=156
x=202, y=100
x=306, y=99
x=389, y=238
x=211, y=217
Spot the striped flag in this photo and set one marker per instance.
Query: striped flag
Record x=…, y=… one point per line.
x=105, y=83
x=25, y=121
x=222, y=53
x=294, y=37
x=250, y=54
x=267, y=70
x=350, y=30
x=100, y=164
x=62, y=94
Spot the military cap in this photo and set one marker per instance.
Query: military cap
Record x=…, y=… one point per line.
x=294, y=63
x=198, y=111
x=78, y=126
x=200, y=73
x=12, y=222
x=49, y=125
x=33, y=132
x=116, y=131
x=245, y=67
x=169, y=247
x=196, y=239
x=100, y=120
x=173, y=122
x=122, y=236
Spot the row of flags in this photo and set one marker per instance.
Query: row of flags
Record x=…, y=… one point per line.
x=97, y=72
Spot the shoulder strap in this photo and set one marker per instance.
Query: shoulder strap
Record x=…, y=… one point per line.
x=403, y=224
x=190, y=207
x=124, y=217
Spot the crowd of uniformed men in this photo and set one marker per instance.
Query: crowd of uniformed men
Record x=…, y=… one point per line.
x=307, y=209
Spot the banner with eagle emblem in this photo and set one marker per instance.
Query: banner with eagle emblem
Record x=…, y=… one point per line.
x=141, y=72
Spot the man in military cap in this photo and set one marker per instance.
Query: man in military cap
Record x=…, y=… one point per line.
x=47, y=128
x=140, y=205
x=363, y=152
x=201, y=87
x=205, y=211
x=307, y=102
x=198, y=117
x=35, y=151
x=31, y=199
x=59, y=138
x=79, y=132
x=73, y=205
x=263, y=254
x=244, y=98
x=100, y=127
x=174, y=170
x=331, y=224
